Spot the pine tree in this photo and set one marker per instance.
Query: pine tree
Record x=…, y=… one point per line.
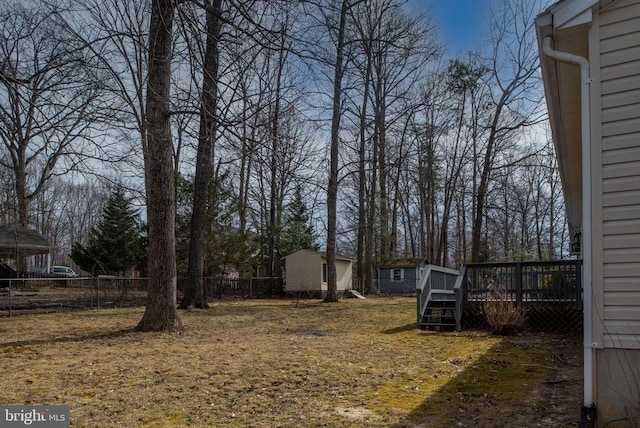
x=225, y=246
x=115, y=243
x=298, y=230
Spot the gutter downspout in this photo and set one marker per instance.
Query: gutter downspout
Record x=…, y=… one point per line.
x=589, y=345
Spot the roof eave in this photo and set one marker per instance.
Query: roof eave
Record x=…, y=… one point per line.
x=565, y=22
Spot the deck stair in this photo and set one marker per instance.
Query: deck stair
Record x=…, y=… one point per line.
x=438, y=305
x=549, y=291
x=440, y=313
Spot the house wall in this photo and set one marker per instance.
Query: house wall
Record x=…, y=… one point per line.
x=617, y=175
x=344, y=275
x=386, y=284
x=615, y=62
x=304, y=271
x=618, y=384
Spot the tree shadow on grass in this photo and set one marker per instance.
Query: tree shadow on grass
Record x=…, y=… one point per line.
x=400, y=329
x=497, y=389
x=70, y=339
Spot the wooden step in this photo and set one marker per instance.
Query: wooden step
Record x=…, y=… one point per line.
x=439, y=313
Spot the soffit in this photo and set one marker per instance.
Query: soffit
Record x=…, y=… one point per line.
x=563, y=94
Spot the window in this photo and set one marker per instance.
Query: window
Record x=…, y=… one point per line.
x=324, y=273
x=397, y=274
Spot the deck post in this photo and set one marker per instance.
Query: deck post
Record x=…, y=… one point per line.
x=418, y=305
x=10, y=301
x=518, y=283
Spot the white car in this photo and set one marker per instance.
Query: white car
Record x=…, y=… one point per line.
x=63, y=271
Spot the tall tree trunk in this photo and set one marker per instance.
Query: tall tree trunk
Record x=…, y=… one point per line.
x=397, y=194
x=23, y=206
x=479, y=213
x=381, y=141
x=370, y=239
x=427, y=181
x=161, y=313
x=194, y=292
x=361, y=271
x=248, y=148
x=274, y=205
x=483, y=185
x=332, y=190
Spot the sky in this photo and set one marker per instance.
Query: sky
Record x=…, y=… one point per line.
x=461, y=24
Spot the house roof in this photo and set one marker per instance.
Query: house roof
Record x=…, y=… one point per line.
x=412, y=262
x=567, y=24
x=322, y=254
x=26, y=242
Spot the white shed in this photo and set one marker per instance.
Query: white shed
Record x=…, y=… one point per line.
x=306, y=273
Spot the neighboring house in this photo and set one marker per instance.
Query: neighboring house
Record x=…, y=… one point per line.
x=16, y=242
x=590, y=58
x=401, y=276
x=306, y=273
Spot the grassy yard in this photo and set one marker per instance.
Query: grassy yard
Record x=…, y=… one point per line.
x=281, y=363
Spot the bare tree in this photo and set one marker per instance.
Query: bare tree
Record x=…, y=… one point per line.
x=332, y=188
x=64, y=212
x=430, y=130
x=161, y=312
x=513, y=80
x=391, y=51
x=115, y=32
x=49, y=107
x=194, y=291
x=462, y=83
x=8, y=209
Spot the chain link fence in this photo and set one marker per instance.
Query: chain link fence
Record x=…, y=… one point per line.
x=42, y=295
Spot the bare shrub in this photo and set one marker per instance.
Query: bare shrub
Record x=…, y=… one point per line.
x=501, y=313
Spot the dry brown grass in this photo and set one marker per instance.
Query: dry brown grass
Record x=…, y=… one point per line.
x=271, y=363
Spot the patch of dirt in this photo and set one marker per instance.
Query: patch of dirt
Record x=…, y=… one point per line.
x=356, y=414
x=556, y=401
x=531, y=380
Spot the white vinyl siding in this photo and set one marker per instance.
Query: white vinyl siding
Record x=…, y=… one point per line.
x=619, y=60
x=306, y=270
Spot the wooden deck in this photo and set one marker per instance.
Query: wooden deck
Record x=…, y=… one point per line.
x=550, y=293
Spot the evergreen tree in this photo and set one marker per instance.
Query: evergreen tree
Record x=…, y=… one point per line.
x=298, y=232
x=184, y=197
x=225, y=247
x=115, y=244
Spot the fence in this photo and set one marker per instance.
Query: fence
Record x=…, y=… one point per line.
x=248, y=288
x=39, y=295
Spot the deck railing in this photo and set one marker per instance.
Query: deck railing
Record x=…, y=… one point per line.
x=549, y=291
x=459, y=290
x=435, y=280
x=541, y=281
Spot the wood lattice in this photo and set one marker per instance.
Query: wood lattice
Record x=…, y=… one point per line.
x=564, y=317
